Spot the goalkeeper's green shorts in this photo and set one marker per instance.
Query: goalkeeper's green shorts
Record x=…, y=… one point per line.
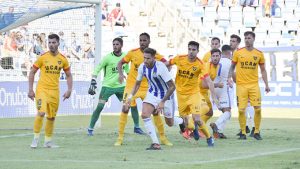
x=106, y=92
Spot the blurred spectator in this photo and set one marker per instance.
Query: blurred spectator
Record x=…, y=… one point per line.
x=267, y=7
x=62, y=43
x=20, y=42
x=87, y=47
x=44, y=41
x=9, y=16
x=116, y=17
x=74, y=47
x=1, y=18
x=38, y=49
x=10, y=45
x=104, y=10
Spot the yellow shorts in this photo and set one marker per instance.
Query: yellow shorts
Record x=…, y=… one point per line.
x=245, y=92
x=47, y=101
x=141, y=93
x=206, y=96
x=191, y=104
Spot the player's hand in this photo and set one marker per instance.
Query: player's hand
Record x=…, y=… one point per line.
x=121, y=78
x=267, y=89
x=127, y=104
x=230, y=83
x=160, y=107
x=220, y=85
x=31, y=94
x=93, y=87
x=67, y=94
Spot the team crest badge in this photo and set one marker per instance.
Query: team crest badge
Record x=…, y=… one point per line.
x=194, y=68
x=254, y=57
x=59, y=62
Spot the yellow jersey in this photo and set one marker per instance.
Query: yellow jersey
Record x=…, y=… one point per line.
x=188, y=73
x=136, y=57
x=50, y=67
x=206, y=57
x=247, y=65
x=212, y=70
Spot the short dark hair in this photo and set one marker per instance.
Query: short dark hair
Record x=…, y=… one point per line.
x=216, y=38
x=236, y=37
x=225, y=48
x=215, y=50
x=118, y=4
x=54, y=36
x=119, y=40
x=249, y=33
x=151, y=51
x=194, y=43
x=145, y=34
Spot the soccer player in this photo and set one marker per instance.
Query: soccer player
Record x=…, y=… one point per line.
x=222, y=89
x=47, y=90
x=235, y=41
x=136, y=57
x=159, y=95
x=247, y=60
x=110, y=85
x=215, y=43
x=189, y=70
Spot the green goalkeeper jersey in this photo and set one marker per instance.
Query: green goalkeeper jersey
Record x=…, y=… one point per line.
x=110, y=65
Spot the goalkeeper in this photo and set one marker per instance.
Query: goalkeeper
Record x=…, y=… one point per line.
x=110, y=85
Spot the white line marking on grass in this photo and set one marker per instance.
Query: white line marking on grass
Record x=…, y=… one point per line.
x=158, y=162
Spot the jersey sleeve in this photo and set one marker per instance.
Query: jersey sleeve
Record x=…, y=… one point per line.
x=160, y=57
x=262, y=59
x=127, y=58
x=38, y=63
x=235, y=57
x=140, y=73
x=164, y=73
x=99, y=67
x=174, y=60
x=66, y=65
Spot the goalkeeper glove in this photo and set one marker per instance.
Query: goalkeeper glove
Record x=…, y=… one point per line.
x=93, y=87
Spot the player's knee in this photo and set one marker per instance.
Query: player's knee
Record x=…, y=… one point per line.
x=41, y=114
x=155, y=113
x=256, y=107
x=198, y=122
x=51, y=118
x=210, y=113
x=169, y=122
x=145, y=115
x=125, y=109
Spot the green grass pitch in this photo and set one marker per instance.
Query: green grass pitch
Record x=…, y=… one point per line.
x=279, y=149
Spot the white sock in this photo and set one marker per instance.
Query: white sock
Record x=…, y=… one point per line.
x=250, y=119
x=177, y=121
x=222, y=120
x=151, y=130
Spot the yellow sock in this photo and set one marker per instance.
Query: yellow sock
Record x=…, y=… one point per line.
x=204, y=130
x=159, y=125
x=38, y=123
x=122, y=124
x=49, y=129
x=242, y=120
x=191, y=124
x=257, y=119
x=205, y=118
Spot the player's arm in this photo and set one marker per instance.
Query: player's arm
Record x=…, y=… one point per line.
x=120, y=70
x=211, y=87
x=216, y=85
x=264, y=77
x=230, y=74
x=32, y=73
x=98, y=68
x=69, y=83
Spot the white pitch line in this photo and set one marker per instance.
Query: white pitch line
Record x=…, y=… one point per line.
x=30, y=134
x=159, y=162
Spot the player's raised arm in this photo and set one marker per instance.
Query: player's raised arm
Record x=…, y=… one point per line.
x=32, y=73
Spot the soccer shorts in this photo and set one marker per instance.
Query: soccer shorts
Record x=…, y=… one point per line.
x=169, y=108
x=106, y=92
x=248, y=91
x=223, y=95
x=191, y=104
x=47, y=101
x=206, y=96
x=141, y=93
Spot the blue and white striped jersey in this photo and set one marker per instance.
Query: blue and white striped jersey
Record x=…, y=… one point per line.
x=157, y=77
x=224, y=67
